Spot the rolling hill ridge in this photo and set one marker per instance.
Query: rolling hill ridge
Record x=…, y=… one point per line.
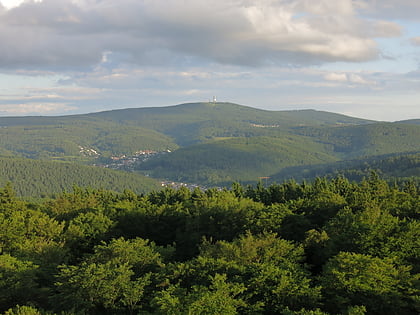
x=211, y=143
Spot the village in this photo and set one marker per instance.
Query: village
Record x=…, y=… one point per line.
x=127, y=162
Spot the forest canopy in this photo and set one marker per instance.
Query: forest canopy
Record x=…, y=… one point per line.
x=325, y=247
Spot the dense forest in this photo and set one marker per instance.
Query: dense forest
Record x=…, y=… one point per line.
x=394, y=167
x=330, y=246
x=210, y=144
x=35, y=179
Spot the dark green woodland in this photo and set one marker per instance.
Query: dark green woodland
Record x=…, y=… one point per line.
x=325, y=247
x=35, y=178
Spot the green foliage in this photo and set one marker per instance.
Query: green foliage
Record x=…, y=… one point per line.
x=97, y=286
x=17, y=281
x=24, y=310
x=376, y=283
x=325, y=247
x=219, y=297
x=114, y=277
x=268, y=266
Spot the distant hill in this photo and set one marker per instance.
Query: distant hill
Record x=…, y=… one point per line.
x=165, y=118
x=411, y=121
x=196, y=122
x=44, y=178
x=129, y=130
x=211, y=143
x=350, y=142
x=389, y=167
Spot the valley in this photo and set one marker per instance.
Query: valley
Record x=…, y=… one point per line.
x=208, y=144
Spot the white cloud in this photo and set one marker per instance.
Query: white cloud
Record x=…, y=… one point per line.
x=103, y=54
x=34, y=108
x=50, y=33
x=358, y=79
x=415, y=41
x=11, y=4
x=341, y=77
x=353, y=78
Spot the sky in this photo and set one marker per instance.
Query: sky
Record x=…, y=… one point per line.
x=355, y=57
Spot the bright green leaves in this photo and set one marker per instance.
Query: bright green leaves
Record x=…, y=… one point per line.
x=249, y=249
x=378, y=284
x=267, y=266
x=114, y=277
x=220, y=297
x=95, y=286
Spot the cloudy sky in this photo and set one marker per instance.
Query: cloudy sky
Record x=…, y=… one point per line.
x=356, y=57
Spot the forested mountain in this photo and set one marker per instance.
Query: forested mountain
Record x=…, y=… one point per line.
x=211, y=143
x=394, y=167
x=33, y=178
x=196, y=122
x=130, y=130
x=321, y=248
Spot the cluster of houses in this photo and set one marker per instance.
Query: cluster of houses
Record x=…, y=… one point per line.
x=177, y=185
x=126, y=162
x=88, y=152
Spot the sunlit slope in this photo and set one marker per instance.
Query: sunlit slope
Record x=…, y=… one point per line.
x=197, y=122
x=78, y=140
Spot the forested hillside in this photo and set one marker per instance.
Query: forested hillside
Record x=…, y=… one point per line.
x=224, y=161
x=245, y=159
x=160, y=128
x=32, y=178
x=326, y=247
x=210, y=143
x=366, y=140
x=394, y=167
x=77, y=139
